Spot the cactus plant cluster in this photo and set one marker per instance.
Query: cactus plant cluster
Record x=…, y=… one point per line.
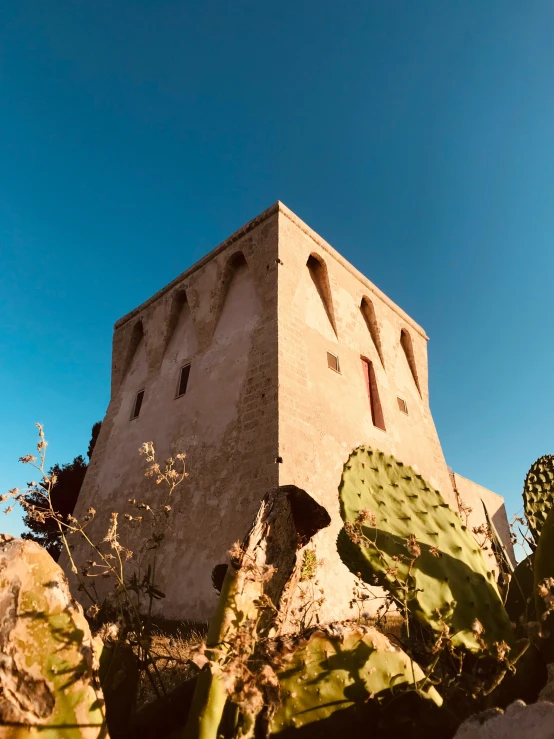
x=399, y=532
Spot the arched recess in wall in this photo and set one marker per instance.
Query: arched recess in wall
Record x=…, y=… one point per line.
x=320, y=278
x=239, y=305
x=236, y=263
x=137, y=336
x=407, y=346
x=368, y=312
x=180, y=326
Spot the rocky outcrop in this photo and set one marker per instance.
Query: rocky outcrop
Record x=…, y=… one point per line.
x=48, y=684
x=518, y=721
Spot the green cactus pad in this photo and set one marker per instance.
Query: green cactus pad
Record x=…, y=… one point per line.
x=333, y=668
x=119, y=678
x=520, y=603
x=450, y=577
x=544, y=572
x=538, y=493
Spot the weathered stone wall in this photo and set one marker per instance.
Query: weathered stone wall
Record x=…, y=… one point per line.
x=323, y=414
x=255, y=319
x=473, y=496
x=221, y=316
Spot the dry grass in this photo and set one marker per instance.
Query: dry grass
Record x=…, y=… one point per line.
x=393, y=625
x=171, y=653
x=173, y=645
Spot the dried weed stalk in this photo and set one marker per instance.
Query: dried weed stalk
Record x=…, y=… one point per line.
x=130, y=576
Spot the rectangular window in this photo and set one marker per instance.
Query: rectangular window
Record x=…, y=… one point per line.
x=402, y=405
x=333, y=362
x=183, y=380
x=373, y=395
x=138, y=404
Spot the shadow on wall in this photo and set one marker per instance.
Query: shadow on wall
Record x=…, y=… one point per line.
x=407, y=346
x=318, y=272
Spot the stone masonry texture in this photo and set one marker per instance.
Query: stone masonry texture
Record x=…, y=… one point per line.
x=256, y=319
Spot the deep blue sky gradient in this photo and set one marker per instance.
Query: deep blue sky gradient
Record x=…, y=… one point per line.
x=416, y=137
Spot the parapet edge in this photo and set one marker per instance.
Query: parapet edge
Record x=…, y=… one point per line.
x=331, y=251
x=201, y=262
x=277, y=207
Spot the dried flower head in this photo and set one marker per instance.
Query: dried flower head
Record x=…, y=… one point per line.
x=111, y=535
x=543, y=589
x=109, y=632
x=367, y=517
x=502, y=650
x=236, y=554
x=93, y=610
x=27, y=459
x=413, y=547
x=477, y=627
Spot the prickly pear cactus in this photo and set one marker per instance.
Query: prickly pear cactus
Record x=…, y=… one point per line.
x=544, y=586
x=441, y=574
x=520, y=603
x=119, y=677
x=47, y=681
x=332, y=668
x=258, y=573
x=538, y=493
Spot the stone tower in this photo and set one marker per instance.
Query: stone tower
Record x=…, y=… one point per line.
x=267, y=362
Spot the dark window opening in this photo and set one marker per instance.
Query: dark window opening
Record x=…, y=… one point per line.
x=333, y=362
x=402, y=405
x=373, y=395
x=183, y=380
x=138, y=404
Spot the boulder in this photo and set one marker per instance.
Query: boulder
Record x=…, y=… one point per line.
x=518, y=721
x=48, y=659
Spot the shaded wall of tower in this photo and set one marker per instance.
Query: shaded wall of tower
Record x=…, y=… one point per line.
x=221, y=318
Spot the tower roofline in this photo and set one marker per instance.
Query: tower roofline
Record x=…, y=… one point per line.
x=348, y=266
x=201, y=262
x=277, y=207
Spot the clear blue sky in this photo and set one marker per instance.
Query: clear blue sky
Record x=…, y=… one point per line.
x=416, y=137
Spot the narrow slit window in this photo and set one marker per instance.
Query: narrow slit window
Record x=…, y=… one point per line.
x=333, y=362
x=402, y=405
x=138, y=404
x=183, y=380
x=373, y=394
